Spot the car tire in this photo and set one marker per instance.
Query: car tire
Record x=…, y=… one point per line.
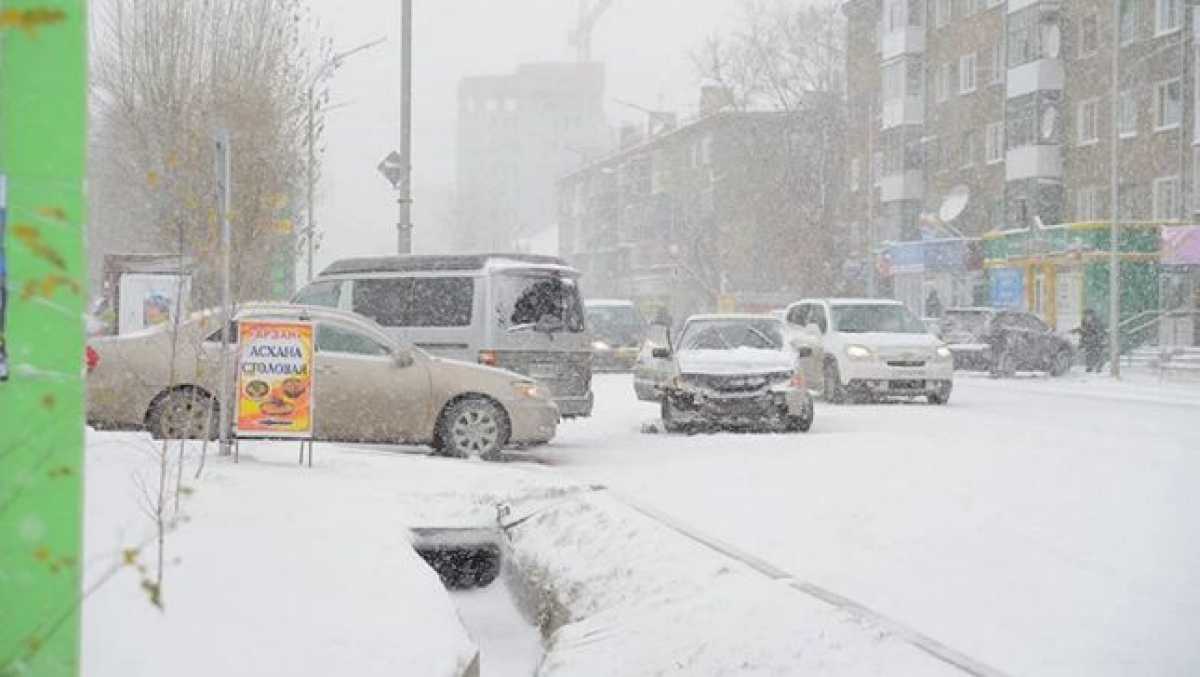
x=941, y=397
x=473, y=427
x=670, y=423
x=802, y=423
x=1060, y=364
x=834, y=391
x=179, y=414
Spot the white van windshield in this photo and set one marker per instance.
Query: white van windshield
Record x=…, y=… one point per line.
x=545, y=302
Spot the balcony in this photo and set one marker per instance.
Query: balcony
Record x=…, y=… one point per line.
x=909, y=110
x=906, y=40
x=906, y=185
x=1042, y=74
x=1028, y=162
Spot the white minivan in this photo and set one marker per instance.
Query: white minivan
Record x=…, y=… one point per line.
x=874, y=348
x=518, y=312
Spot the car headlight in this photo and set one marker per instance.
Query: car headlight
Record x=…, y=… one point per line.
x=944, y=353
x=856, y=352
x=529, y=390
x=600, y=345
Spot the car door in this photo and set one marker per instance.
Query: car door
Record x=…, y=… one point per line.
x=365, y=392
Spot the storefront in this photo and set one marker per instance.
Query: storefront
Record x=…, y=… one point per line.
x=1057, y=272
x=1180, y=286
x=945, y=272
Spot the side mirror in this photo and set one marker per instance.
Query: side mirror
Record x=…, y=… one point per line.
x=402, y=359
x=661, y=353
x=804, y=352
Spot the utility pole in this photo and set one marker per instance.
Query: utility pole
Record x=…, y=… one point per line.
x=225, y=399
x=1114, y=230
x=404, y=227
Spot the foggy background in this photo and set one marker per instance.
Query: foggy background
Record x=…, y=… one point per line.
x=645, y=44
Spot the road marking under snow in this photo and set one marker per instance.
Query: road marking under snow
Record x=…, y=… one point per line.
x=921, y=641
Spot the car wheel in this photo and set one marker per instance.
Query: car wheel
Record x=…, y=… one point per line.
x=184, y=414
x=473, y=427
x=835, y=392
x=802, y=423
x=670, y=423
x=942, y=396
x=1061, y=363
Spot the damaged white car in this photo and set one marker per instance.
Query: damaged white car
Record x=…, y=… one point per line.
x=735, y=372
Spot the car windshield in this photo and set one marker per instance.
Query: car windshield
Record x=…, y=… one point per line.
x=732, y=334
x=881, y=318
x=616, y=325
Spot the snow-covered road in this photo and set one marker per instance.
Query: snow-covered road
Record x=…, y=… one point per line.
x=1041, y=526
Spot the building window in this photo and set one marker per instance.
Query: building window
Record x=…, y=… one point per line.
x=1089, y=36
x=997, y=66
x=967, y=152
x=895, y=15
x=994, y=143
x=854, y=170
x=1089, y=112
x=1168, y=104
x=1168, y=16
x=1166, y=197
x=1024, y=36
x=966, y=73
x=876, y=167
x=1087, y=204
x=893, y=80
x=916, y=12
x=914, y=81
x=1129, y=22
x=1127, y=114
x=945, y=82
x=941, y=12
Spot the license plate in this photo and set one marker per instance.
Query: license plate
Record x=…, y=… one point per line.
x=906, y=385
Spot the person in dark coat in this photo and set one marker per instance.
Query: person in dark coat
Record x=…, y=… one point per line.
x=1093, y=339
x=933, y=304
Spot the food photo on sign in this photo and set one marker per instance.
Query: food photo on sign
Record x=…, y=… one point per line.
x=275, y=379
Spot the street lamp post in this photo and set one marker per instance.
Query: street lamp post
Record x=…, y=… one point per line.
x=310, y=103
x=1114, y=229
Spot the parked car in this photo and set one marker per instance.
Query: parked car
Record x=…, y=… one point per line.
x=618, y=331
x=368, y=386
x=874, y=348
x=520, y=312
x=1003, y=342
x=735, y=371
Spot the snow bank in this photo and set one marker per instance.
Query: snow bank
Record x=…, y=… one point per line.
x=628, y=596
x=277, y=570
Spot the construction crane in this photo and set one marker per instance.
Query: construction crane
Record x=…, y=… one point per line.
x=581, y=37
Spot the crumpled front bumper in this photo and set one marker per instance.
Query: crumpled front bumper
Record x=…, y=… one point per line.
x=763, y=407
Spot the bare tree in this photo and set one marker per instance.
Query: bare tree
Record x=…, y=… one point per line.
x=784, y=61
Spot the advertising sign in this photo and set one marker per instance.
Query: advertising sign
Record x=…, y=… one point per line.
x=147, y=300
x=275, y=379
x=1008, y=287
x=1180, y=246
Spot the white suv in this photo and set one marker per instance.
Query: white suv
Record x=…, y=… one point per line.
x=873, y=348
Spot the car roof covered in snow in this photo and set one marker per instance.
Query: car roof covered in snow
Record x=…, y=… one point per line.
x=977, y=309
x=851, y=302
x=707, y=317
x=439, y=263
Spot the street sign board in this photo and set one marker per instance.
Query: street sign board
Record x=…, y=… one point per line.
x=392, y=169
x=275, y=379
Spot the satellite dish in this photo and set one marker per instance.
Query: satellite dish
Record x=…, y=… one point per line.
x=1049, y=122
x=1052, y=40
x=954, y=203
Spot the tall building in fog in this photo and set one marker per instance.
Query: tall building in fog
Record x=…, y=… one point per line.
x=517, y=134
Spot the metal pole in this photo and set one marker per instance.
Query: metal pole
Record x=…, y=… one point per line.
x=223, y=201
x=311, y=230
x=404, y=227
x=1114, y=232
x=872, y=264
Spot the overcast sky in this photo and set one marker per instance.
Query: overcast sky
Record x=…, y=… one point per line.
x=645, y=44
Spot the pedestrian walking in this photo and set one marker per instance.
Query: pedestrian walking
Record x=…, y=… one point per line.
x=1093, y=339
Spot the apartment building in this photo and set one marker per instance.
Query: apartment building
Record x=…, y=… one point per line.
x=997, y=115
x=729, y=210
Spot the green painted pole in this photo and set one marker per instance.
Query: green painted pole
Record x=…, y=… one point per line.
x=43, y=87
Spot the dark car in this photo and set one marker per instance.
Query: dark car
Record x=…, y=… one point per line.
x=618, y=331
x=1003, y=342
